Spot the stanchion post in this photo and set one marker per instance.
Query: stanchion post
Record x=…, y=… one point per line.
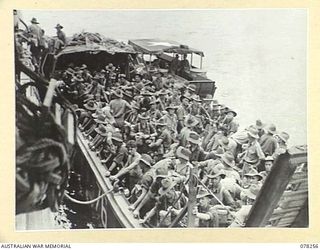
x=192, y=201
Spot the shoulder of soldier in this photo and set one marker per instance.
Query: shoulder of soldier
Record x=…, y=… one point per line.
x=123, y=149
x=163, y=162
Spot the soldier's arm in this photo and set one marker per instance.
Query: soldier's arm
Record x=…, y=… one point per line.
x=140, y=198
x=125, y=170
x=145, y=199
x=203, y=216
x=149, y=214
x=157, y=143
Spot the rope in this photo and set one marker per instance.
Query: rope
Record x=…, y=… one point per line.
x=86, y=202
x=42, y=144
x=202, y=184
x=42, y=165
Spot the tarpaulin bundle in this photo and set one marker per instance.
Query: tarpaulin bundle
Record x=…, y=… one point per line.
x=87, y=38
x=42, y=165
x=82, y=37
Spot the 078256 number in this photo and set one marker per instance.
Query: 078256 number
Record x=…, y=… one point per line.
x=309, y=246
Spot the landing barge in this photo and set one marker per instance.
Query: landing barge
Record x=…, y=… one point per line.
x=283, y=199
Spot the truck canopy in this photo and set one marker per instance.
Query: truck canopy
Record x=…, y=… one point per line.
x=92, y=49
x=159, y=46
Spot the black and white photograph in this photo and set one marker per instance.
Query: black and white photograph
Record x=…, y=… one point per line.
x=160, y=118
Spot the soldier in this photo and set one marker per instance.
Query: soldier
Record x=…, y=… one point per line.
x=190, y=90
x=118, y=108
x=228, y=164
x=170, y=204
x=145, y=100
x=155, y=113
x=190, y=123
x=97, y=89
x=134, y=172
x=182, y=111
x=241, y=216
x=228, y=124
x=133, y=159
x=150, y=183
x=267, y=141
x=158, y=81
x=143, y=132
x=85, y=118
x=215, y=176
x=61, y=41
x=182, y=166
x=208, y=104
x=114, y=154
x=197, y=153
x=35, y=32
x=174, y=65
x=253, y=152
x=137, y=78
x=184, y=65
x=171, y=119
x=254, y=177
x=132, y=115
x=282, y=139
x=268, y=163
x=163, y=140
x=260, y=126
x=205, y=213
x=163, y=94
x=123, y=80
x=100, y=132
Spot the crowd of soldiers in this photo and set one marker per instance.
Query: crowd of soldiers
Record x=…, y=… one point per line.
x=154, y=135
x=38, y=43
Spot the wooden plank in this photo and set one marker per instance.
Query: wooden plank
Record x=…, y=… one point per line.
x=290, y=215
x=299, y=176
x=283, y=216
x=299, y=187
x=283, y=225
x=287, y=167
x=284, y=211
x=288, y=220
x=297, y=203
x=302, y=219
x=294, y=198
x=298, y=180
x=295, y=193
x=271, y=192
x=291, y=203
x=304, y=186
x=293, y=207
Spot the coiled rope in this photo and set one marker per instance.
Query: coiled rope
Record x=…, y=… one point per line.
x=42, y=164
